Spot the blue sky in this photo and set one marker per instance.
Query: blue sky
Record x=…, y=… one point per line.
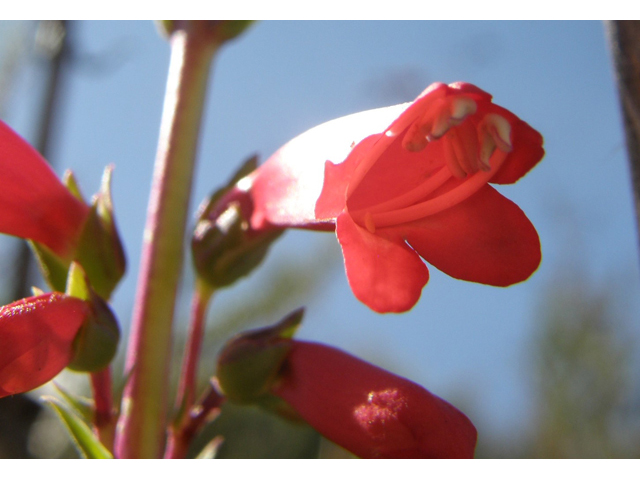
x=281, y=78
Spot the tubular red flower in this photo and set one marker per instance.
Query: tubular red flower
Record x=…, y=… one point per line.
x=34, y=204
x=406, y=182
x=36, y=339
x=369, y=411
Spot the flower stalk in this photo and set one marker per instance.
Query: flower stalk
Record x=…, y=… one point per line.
x=142, y=426
x=103, y=420
x=186, y=388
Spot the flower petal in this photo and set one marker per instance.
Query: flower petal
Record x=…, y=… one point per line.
x=369, y=411
x=36, y=338
x=34, y=204
x=384, y=273
x=485, y=239
x=333, y=198
x=286, y=188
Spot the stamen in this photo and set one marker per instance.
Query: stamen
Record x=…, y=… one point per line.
x=412, y=196
x=501, y=131
x=414, y=140
x=461, y=107
x=368, y=222
x=464, y=141
x=495, y=129
x=442, y=202
x=487, y=147
x=451, y=157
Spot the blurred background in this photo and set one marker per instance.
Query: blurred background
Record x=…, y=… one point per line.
x=546, y=368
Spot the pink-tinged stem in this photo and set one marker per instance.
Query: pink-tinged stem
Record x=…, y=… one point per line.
x=180, y=437
x=103, y=420
x=186, y=388
x=142, y=424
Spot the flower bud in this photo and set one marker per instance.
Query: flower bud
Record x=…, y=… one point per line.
x=369, y=411
x=224, y=246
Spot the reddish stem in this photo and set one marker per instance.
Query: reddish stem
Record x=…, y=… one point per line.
x=181, y=435
x=142, y=424
x=186, y=388
x=103, y=420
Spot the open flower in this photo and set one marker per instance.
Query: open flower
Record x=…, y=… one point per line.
x=406, y=182
x=369, y=411
x=34, y=204
x=36, y=339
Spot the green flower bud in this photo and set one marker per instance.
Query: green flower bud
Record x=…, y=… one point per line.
x=224, y=246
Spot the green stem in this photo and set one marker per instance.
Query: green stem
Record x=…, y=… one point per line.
x=142, y=425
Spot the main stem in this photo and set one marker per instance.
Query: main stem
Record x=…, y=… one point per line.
x=142, y=425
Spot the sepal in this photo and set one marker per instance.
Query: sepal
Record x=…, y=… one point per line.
x=219, y=30
x=82, y=406
x=249, y=363
x=100, y=249
x=84, y=439
x=96, y=343
x=54, y=269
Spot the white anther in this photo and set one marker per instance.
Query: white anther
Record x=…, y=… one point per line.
x=500, y=130
x=461, y=107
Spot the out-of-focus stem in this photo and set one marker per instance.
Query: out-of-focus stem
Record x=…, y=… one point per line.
x=625, y=44
x=208, y=408
x=103, y=421
x=142, y=425
x=186, y=388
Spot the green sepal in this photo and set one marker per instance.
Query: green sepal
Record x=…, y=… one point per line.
x=36, y=292
x=54, y=270
x=85, y=440
x=250, y=362
x=219, y=30
x=100, y=250
x=230, y=29
x=69, y=181
x=82, y=406
x=210, y=450
x=224, y=248
x=96, y=343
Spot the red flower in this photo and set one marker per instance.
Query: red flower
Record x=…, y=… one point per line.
x=34, y=204
x=406, y=182
x=369, y=411
x=36, y=339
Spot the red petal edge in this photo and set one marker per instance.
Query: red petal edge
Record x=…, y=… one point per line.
x=383, y=272
x=485, y=239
